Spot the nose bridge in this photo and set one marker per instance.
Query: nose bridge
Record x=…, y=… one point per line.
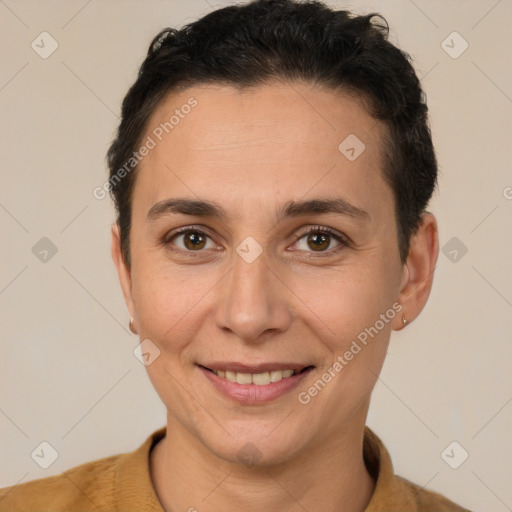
x=252, y=302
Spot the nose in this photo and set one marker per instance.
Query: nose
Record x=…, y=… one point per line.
x=253, y=302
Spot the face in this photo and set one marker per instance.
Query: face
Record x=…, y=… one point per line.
x=259, y=245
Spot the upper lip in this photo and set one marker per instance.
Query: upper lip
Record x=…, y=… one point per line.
x=253, y=368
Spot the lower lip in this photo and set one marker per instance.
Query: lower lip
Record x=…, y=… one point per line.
x=252, y=393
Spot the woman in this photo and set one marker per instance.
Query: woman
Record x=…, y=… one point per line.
x=271, y=175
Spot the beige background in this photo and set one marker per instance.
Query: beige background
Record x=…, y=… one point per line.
x=67, y=372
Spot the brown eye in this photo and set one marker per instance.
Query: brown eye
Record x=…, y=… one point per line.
x=194, y=240
x=190, y=241
x=318, y=241
x=321, y=240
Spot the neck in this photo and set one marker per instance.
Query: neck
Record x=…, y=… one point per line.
x=331, y=476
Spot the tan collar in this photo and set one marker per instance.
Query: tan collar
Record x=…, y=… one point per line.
x=392, y=493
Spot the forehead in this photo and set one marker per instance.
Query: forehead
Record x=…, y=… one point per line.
x=315, y=114
x=280, y=138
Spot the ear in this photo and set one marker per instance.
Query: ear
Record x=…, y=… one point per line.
x=418, y=271
x=123, y=271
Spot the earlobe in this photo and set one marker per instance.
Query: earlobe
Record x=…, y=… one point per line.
x=131, y=326
x=418, y=272
x=123, y=271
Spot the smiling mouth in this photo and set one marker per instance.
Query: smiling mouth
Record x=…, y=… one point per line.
x=258, y=379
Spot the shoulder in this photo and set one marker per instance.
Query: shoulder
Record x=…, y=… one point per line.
x=83, y=487
x=393, y=492
x=119, y=482
x=426, y=501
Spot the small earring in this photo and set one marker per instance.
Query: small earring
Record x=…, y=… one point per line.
x=404, y=321
x=130, y=326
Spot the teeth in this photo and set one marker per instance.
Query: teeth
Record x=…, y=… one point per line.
x=260, y=379
x=244, y=378
x=276, y=375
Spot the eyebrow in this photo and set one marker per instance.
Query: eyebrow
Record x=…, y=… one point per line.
x=200, y=208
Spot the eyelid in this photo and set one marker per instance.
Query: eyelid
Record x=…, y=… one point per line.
x=341, y=238
x=185, y=229
x=168, y=238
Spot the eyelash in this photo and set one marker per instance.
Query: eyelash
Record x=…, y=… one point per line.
x=343, y=240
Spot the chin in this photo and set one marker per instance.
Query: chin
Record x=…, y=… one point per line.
x=255, y=443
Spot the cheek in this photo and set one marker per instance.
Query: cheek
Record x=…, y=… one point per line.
x=348, y=299
x=353, y=318
x=169, y=302
x=353, y=313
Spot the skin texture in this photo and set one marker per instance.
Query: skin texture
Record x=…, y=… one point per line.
x=251, y=152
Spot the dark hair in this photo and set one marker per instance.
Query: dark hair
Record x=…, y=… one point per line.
x=287, y=40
